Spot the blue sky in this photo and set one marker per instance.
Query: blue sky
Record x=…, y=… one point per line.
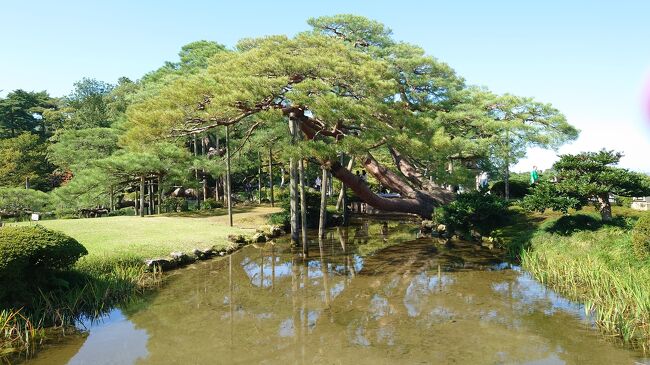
x=587, y=58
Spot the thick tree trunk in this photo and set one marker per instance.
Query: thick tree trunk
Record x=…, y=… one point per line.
x=323, y=206
x=408, y=169
x=142, y=196
x=339, y=201
x=415, y=201
x=605, y=207
x=388, y=178
x=271, y=198
x=228, y=185
x=421, y=204
x=303, y=207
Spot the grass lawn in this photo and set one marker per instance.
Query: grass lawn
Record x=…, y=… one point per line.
x=151, y=236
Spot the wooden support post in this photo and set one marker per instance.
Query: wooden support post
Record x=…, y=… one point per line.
x=271, y=176
x=293, y=187
x=339, y=201
x=228, y=185
x=323, y=205
x=259, y=178
x=303, y=207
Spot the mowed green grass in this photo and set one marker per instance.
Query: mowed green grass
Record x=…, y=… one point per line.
x=154, y=236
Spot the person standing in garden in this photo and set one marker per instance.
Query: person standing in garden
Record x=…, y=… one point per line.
x=534, y=176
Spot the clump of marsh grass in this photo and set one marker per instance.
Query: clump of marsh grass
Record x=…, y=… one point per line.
x=598, y=268
x=18, y=335
x=94, y=287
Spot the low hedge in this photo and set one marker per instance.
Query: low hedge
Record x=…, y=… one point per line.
x=518, y=189
x=30, y=255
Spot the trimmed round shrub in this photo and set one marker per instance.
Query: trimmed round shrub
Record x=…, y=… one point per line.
x=641, y=237
x=29, y=252
x=518, y=189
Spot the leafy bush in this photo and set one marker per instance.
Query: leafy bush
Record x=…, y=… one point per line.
x=121, y=212
x=313, y=209
x=210, y=204
x=518, y=189
x=624, y=201
x=29, y=255
x=473, y=211
x=175, y=204
x=546, y=196
x=641, y=237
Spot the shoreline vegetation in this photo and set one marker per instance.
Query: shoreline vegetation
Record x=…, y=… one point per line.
x=590, y=262
x=577, y=255
x=114, y=271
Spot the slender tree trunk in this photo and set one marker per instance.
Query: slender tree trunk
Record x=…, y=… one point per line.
x=151, y=197
x=293, y=187
x=506, y=182
x=112, y=199
x=605, y=207
x=259, y=178
x=195, y=148
x=346, y=213
x=142, y=196
x=224, y=181
x=303, y=207
x=26, y=183
x=271, y=176
x=339, y=201
x=159, y=190
x=228, y=185
x=216, y=183
x=330, y=185
x=282, y=173
x=323, y=205
x=135, y=204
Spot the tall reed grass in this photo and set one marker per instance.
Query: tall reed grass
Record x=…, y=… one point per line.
x=599, y=269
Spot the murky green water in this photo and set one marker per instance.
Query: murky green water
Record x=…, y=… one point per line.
x=364, y=298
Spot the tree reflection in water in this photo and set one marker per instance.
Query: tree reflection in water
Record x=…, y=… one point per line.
x=365, y=299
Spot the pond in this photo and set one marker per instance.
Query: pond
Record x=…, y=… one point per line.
x=369, y=294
